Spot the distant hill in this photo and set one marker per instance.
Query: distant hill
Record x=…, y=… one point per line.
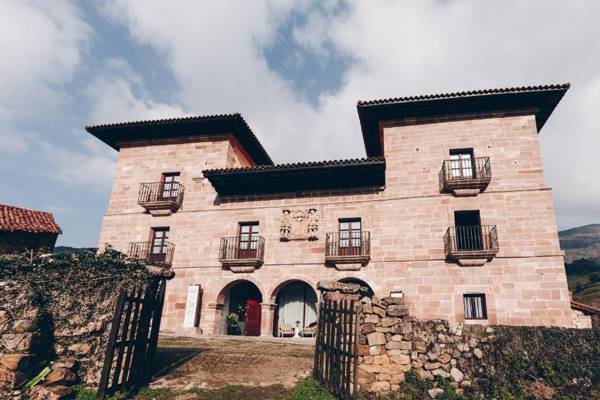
x=581, y=242
x=71, y=250
x=582, y=262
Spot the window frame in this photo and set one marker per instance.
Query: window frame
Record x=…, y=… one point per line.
x=248, y=248
x=469, y=301
x=169, y=189
x=163, y=245
x=351, y=244
x=462, y=168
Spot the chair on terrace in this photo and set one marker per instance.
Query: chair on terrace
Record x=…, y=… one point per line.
x=286, y=329
x=310, y=331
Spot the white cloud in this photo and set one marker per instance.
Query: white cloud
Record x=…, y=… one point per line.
x=216, y=53
x=93, y=168
x=113, y=99
x=41, y=46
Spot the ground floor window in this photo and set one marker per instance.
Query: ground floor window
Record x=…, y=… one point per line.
x=475, y=307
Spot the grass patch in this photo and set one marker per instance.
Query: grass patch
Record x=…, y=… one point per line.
x=307, y=389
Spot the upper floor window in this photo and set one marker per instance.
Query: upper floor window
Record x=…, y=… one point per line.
x=462, y=162
x=159, y=245
x=248, y=237
x=469, y=234
x=475, y=307
x=350, y=236
x=170, y=185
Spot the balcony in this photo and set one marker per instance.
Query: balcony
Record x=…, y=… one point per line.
x=144, y=251
x=471, y=245
x=241, y=256
x=160, y=198
x=465, y=177
x=348, y=253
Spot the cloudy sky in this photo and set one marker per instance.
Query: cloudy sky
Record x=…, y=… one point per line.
x=294, y=69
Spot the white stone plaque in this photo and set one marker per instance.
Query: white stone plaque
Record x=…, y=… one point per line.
x=191, y=307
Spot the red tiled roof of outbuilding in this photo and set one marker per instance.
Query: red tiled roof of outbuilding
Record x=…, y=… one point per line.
x=24, y=220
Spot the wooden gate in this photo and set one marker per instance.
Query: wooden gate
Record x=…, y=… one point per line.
x=133, y=338
x=336, y=351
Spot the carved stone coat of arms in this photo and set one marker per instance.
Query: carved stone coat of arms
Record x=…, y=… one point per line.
x=299, y=224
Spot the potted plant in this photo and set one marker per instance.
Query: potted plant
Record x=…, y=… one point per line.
x=233, y=327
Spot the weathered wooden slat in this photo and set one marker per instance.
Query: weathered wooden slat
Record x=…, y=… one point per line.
x=156, y=318
x=126, y=381
x=336, y=347
x=108, y=357
x=134, y=336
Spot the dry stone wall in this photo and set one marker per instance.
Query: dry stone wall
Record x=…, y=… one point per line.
x=391, y=343
x=473, y=359
x=57, y=313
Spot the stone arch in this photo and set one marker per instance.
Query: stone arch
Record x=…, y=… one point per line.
x=274, y=291
x=225, y=290
x=294, y=304
x=235, y=297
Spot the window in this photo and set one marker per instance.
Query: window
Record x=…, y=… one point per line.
x=475, y=307
x=248, y=238
x=350, y=232
x=170, y=185
x=469, y=235
x=461, y=164
x=159, y=245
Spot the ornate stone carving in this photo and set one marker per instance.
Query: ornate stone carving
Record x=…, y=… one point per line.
x=299, y=224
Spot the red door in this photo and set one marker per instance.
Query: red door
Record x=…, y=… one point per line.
x=253, y=312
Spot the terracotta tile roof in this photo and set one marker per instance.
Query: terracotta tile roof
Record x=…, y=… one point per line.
x=114, y=133
x=299, y=177
x=450, y=95
x=24, y=220
x=373, y=114
x=162, y=121
x=298, y=165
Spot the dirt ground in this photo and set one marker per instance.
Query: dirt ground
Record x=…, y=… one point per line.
x=185, y=363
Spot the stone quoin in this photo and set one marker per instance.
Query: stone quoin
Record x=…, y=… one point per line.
x=449, y=211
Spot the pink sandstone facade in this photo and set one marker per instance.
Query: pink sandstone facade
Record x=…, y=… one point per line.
x=522, y=280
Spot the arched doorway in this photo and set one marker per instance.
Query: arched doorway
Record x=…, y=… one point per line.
x=242, y=309
x=360, y=282
x=296, y=313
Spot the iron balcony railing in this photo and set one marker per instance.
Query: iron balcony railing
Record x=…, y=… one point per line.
x=156, y=193
x=467, y=173
x=152, y=254
x=355, y=244
x=232, y=248
x=473, y=240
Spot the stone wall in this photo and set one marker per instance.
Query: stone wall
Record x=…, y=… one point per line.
x=57, y=313
x=471, y=358
x=391, y=343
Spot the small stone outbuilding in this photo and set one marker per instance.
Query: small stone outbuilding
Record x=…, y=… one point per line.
x=22, y=229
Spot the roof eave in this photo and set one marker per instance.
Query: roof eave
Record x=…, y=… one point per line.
x=373, y=113
x=115, y=134
x=365, y=174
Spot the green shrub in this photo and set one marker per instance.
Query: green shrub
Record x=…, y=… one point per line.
x=309, y=389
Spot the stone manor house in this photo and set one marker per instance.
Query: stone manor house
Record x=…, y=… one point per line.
x=449, y=210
